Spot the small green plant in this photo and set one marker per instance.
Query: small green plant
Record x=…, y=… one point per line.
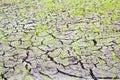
x=40, y=29
x=3, y=39
x=93, y=28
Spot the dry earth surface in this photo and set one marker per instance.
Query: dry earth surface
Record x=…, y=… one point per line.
x=65, y=48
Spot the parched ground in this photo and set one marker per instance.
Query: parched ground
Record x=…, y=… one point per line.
x=58, y=46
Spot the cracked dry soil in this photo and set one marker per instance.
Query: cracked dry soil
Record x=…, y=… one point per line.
x=70, y=53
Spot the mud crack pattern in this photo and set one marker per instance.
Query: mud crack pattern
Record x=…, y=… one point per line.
x=57, y=47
